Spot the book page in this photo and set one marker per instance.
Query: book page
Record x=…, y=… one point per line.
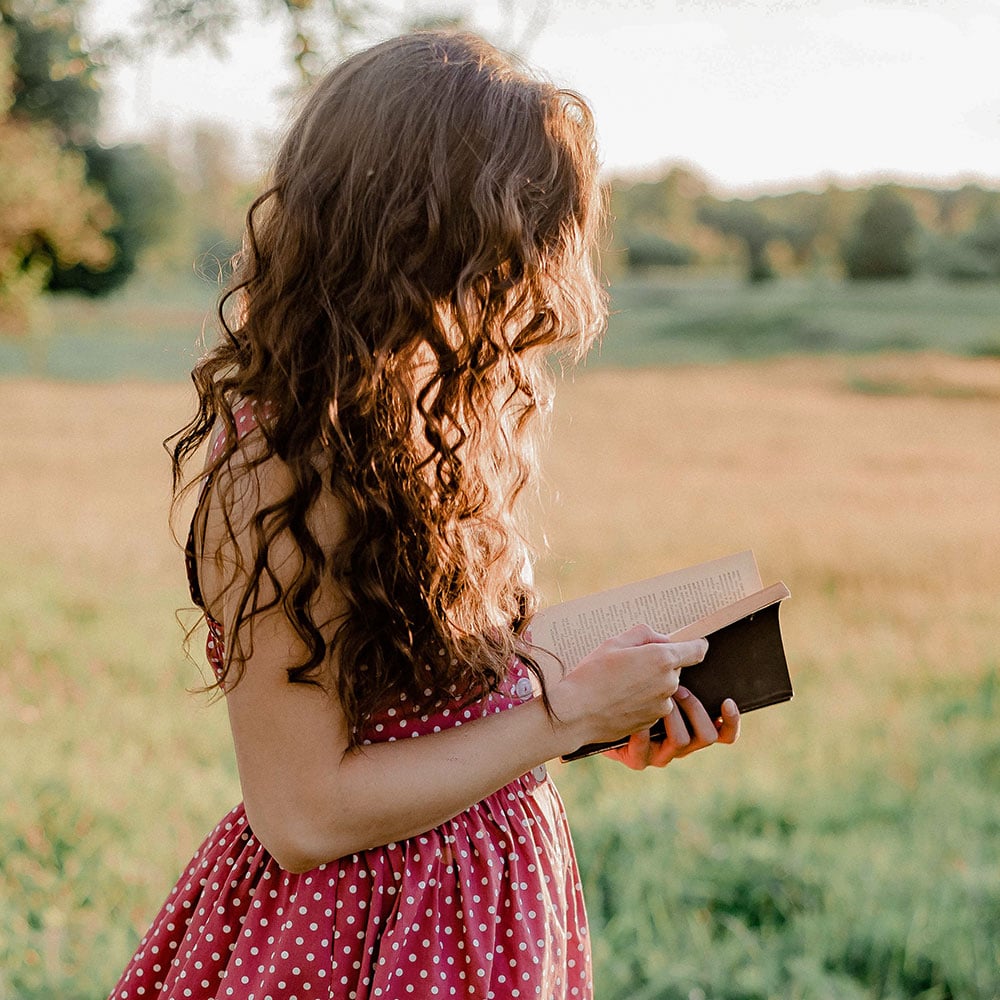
x=668, y=602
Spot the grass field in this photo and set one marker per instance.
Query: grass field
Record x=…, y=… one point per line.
x=150, y=330
x=682, y=318
x=847, y=847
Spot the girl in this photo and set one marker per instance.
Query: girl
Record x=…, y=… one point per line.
x=423, y=249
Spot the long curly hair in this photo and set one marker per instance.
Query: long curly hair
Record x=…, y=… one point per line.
x=423, y=249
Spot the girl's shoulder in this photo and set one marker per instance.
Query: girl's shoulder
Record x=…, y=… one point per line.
x=254, y=478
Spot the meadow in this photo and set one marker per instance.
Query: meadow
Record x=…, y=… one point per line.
x=149, y=329
x=847, y=847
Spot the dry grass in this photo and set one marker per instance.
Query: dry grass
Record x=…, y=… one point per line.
x=832, y=486
x=879, y=510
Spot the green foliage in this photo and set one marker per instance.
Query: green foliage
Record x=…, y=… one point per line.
x=56, y=77
x=974, y=255
x=65, y=227
x=748, y=224
x=985, y=238
x=957, y=260
x=883, y=244
x=319, y=31
x=645, y=249
x=797, y=232
x=316, y=32
x=45, y=202
x=143, y=193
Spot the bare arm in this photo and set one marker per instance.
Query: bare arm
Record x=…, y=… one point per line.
x=310, y=800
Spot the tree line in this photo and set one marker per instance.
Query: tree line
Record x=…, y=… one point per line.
x=77, y=216
x=884, y=231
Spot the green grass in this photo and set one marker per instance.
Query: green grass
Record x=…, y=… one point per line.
x=857, y=882
x=847, y=847
x=690, y=318
x=152, y=328
x=97, y=818
x=874, y=875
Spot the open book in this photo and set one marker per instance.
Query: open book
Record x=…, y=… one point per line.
x=722, y=600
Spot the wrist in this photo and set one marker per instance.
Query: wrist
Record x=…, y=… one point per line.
x=572, y=723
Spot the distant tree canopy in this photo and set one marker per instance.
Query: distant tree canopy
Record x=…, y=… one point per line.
x=55, y=77
x=973, y=255
x=883, y=243
x=644, y=250
x=749, y=225
x=885, y=231
x=984, y=239
x=141, y=190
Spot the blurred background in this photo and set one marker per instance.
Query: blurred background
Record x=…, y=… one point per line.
x=803, y=358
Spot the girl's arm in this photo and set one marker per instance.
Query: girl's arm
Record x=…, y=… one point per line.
x=310, y=801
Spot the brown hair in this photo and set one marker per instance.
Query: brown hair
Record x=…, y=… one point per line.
x=424, y=247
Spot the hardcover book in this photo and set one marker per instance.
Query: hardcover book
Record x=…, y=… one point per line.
x=722, y=600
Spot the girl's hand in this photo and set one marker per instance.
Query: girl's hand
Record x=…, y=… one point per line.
x=624, y=685
x=688, y=729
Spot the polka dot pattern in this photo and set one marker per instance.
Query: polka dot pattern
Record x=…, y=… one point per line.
x=486, y=906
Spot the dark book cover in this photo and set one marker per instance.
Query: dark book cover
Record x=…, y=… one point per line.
x=745, y=661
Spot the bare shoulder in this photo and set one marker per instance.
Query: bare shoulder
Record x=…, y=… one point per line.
x=243, y=509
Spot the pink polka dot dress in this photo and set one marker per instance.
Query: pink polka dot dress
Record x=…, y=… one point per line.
x=487, y=905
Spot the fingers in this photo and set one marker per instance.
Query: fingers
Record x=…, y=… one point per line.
x=686, y=653
x=635, y=753
x=689, y=652
x=729, y=727
x=701, y=727
x=646, y=667
x=664, y=751
x=687, y=730
x=642, y=750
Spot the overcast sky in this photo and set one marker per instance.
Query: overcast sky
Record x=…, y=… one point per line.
x=756, y=93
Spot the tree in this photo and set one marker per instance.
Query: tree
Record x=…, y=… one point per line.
x=984, y=239
x=54, y=86
x=141, y=190
x=973, y=255
x=318, y=30
x=645, y=249
x=56, y=78
x=883, y=244
x=48, y=211
x=749, y=225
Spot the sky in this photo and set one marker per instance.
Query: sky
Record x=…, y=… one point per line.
x=757, y=94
